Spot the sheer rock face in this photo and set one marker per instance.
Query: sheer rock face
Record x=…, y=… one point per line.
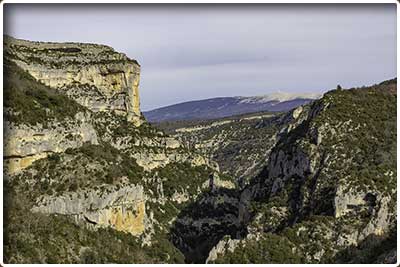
x=304, y=156
x=94, y=75
x=25, y=144
x=122, y=209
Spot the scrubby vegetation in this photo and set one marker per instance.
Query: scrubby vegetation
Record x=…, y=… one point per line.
x=61, y=57
x=350, y=140
x=238, y=144
x=370, y=133
x=309, y=242
x=374, y=249
x=270, y=248
x=182, y=177
x=345, y=141
x=89, y=166
x=32, y=102
x=112, y=127
x=40, y=238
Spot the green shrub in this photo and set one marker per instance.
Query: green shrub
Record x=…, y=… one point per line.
x=31, y=101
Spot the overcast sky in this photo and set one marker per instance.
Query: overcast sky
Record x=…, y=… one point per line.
x=190, y=52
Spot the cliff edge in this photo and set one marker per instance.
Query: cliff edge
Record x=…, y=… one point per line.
x=96, y=76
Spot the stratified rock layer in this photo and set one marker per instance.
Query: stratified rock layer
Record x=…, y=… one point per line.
x=122, y=209
x=25, y=144
x=96, y=76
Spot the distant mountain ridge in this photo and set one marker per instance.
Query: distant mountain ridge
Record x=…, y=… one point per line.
x=220, y=107
x=278, y=96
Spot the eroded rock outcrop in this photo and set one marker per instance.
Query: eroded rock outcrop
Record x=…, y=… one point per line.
x=25, y=143
x=122, y=209
x=95, y=76
x=80, y=155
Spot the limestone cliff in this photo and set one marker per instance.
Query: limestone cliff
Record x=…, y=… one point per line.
x=24, y=144
x=80, y=159
x=95, y=76
x=319, y=181
x=122, y=209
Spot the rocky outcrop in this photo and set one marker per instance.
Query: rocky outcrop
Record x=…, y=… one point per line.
x=216, y=182
x=224, y=245
x=95, y=76
x=75, y=158
x=26, y=143
x=123, y=209
x=150, y=161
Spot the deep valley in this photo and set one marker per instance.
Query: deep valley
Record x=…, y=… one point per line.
x=89, y=180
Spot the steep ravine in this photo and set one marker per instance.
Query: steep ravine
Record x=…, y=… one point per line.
x=204, y=222
x=81, y=160
x=216, y=214
x=314, y=185
x=327, y=192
